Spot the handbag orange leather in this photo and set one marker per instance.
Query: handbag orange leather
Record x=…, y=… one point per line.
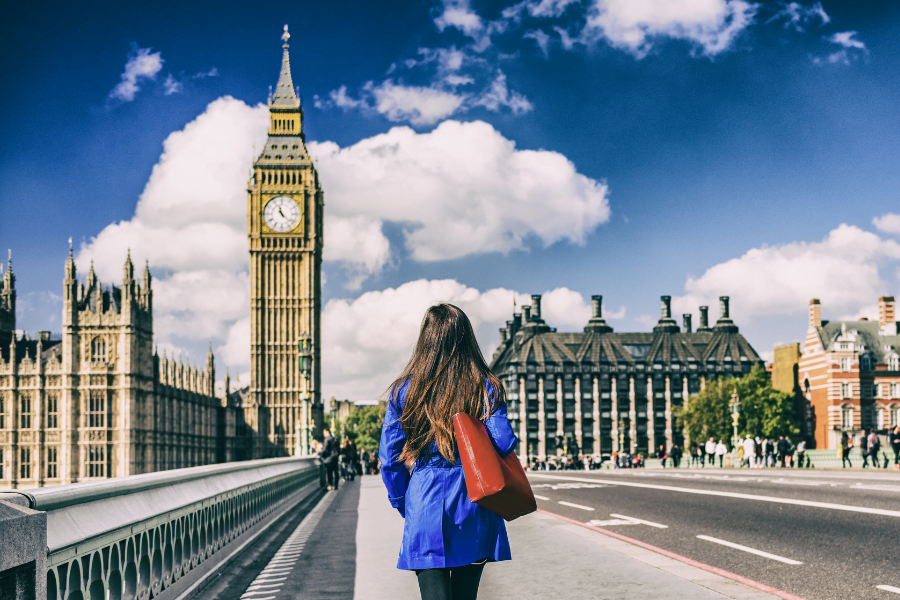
x=496, y=483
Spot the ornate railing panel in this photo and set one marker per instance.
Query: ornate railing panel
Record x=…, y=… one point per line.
x=132, y=538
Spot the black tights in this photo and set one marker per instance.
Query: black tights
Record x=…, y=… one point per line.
x=454, y=583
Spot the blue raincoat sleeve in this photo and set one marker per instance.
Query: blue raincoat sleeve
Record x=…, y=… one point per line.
x=502, y=435
x=393, y=471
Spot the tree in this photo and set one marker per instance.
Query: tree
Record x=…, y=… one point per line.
x=765, y=411
x=364, y=425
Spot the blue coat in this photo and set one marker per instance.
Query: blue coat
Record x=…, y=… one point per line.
x=442, y=527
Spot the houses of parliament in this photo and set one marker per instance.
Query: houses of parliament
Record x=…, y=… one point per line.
x=97, y=400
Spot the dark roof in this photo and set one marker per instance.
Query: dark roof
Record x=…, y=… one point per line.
x=867, y=333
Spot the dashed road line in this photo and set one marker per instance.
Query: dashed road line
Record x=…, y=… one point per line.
x=888, y=588
x=750, y=550
x=283, y=562
x=641, y=521
x=541, y=497
x=573, y=505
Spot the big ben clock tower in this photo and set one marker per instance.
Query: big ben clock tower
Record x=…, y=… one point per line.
x=284, y=225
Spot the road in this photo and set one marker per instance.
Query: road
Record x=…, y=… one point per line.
x=818, y=535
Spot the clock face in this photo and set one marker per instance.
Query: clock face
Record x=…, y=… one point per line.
x=281, y=214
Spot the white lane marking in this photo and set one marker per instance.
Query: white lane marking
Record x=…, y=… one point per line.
x=248, y=594
x=608, y=522
x=669, y=488
x=641, y=521
x=575, y=505
x=256, y=586
x=750, y=550
x=541, y=497
x=266, y=580
x=888, y=588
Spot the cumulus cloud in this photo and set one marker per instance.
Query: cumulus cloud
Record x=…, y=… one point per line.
x=842, y=270
x=633, y=25
x=367, y=341
x=851, y=49
x=460, y=189
x=888, y=223
x=172, y=85
x=142, y=64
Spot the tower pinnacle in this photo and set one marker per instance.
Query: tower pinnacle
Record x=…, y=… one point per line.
x=285, y=96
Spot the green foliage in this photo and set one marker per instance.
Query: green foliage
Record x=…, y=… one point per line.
x=363, y=424
x=765, y=411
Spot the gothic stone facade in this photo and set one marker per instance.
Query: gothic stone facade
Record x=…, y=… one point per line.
x=604, y=391
x=284, y=226
x=97, y=401
x=850, y=373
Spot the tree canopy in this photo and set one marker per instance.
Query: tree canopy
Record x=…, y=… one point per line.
x=363, y=425
x=765, y=412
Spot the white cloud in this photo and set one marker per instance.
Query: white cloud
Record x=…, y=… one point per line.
x=632, y=25
x=851, y=49
x=460, y=189
x=548, y=8
x=418, y=105
x=142, y=64
x=842, y=270
x=541, y=39
x=799, y=17
x=367, y=341
x=172, y=85
x=888, y=223
x=498, y=95
x=846, y=39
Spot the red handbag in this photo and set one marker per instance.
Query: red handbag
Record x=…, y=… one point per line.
x=496, y=483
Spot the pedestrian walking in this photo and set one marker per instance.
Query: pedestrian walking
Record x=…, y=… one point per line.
x=675, y=454
x=895, y=445
x=738, y=460
x=711, y=451
x=447, y=539
x=782, y=448
x=750, y=452
x=662, y=455
x=692, y=450
x=317, y=450
x=864, y=448
x=769, y=450
x=330, y=455
x=846, y=446
x=363, y=461
x=721, y=450
x=801, y=453
x=874, y=448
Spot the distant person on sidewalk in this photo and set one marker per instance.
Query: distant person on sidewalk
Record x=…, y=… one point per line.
x=782, y=447
x=721, y=450
x=675, y=454
x=711, y=452
x=330, y=455
x=692, y=449
x=846, y=446
x=894, y=439
x=801, y=453
x=874, y=448
x=363, y=461
x=750, y=452
x=446, y=538
x=864, y=448
x=662, y=455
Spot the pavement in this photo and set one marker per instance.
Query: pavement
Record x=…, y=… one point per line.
x=344, y=544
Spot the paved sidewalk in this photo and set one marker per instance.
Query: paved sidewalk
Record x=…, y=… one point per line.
x=551, y=558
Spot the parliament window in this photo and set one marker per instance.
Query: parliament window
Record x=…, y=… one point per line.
x=25, y=463
x=52, y=463
x=96, y=461
x=97, y=409
x=25, y=412
x=98, y=350
x=2, y=412
x=52, y=411
x=2, y=465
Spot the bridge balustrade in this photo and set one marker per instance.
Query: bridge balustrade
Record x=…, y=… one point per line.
x=132, y=538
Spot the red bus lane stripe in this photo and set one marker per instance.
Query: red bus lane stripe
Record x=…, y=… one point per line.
x=727, y=574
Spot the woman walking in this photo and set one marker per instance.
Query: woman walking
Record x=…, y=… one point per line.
x=446, y=538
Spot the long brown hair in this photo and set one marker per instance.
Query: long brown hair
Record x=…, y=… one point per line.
x=446, y=375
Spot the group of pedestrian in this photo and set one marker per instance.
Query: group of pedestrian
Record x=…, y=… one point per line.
x=566, y=463
x=627, y=460
x=342, y=461
x=869, y=443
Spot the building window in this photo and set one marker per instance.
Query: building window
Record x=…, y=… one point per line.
x=2, y=412
x=96, y=461
x=25, y=463
x=52, y=411
x=893, y=417
x=847, y=417
x=97, y=409
x=25, y=411
x=52, y=463
x=865, y=363
x=845, y=390
x=894, y=363
x=895, y=390
x=2, y=465
x=98, y=350
x=845, y=364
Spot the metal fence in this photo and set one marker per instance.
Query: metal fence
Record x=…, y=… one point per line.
x=133, y=537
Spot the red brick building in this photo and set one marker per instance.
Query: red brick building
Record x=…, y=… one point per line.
x=850, y=373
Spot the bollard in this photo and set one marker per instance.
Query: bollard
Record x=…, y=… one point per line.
x=23, y=550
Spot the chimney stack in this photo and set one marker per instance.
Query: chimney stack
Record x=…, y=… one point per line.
x=526, y=315
x=704, y=319
x=536, y=306
x=666, y=323
x=815, y=313
x=886, y=312
x=687, y=323
x=723, y=307
x=502, y=335
x=666, y=302
x=596, y=307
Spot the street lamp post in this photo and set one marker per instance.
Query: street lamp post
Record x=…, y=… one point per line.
x=621, y=433
x=735, y=414
x=304, y=357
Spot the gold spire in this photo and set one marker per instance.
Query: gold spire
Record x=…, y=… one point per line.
x=285, y=96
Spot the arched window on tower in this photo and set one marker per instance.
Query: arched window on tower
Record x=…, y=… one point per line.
x=98, y=350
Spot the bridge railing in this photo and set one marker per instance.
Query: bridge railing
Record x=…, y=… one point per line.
x=132, y=538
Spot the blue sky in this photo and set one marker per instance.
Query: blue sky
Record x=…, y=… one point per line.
x=633, y=149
